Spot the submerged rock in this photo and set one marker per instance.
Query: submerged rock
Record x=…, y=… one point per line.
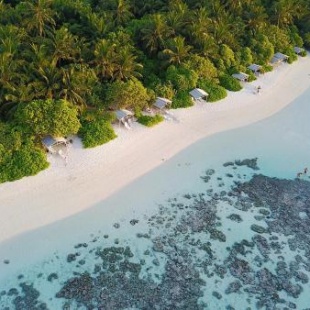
x=258, y=229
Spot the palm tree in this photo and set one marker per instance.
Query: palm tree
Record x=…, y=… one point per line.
x=122, y=13
x=127, y=66
x=198, y=26
x=255, y=18
x=77, y=84
x=177, y=50
x=285, y=11
x=177, y=16
x=155, y=33
x=38, y=16
x=65, y=46
x=225, y=27
x=98, y=23
x=105, y=59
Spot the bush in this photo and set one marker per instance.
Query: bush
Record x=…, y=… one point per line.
x=19, y=156
x=150, y=121
x=230, y=83
x=48, y=117
x=96, y=132
x=181, y=78
x=292, y=56
x=215, y=91
x=252, y=76
x=182, y=100
x=26, y=161
x=266, y=68
x=303, y=53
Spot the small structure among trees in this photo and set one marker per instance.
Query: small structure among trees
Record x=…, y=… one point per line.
x=241, y=76
x=198, y=94
x=124, y=117
x=57, y=145
x=256, y=69
x=278, y=58
x=162, y=103
x=299, y=50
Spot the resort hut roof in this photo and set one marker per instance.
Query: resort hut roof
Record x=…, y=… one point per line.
x=123, y=114
x=241, y=76
x=298, y=50
x=275, y=60
x=281, y=56
x=198, y=93
x=278, y=58
x=52, y=144
x=255, y=68
x=161, y=103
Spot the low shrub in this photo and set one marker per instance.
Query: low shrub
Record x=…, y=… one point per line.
x=19, y=155
x=215, y=91
x=230, y=83
x=150, y=121
x=96, y=132
x=292, y=56
x=182, y=100
x=303, y=53
x=252, y=76
x=266, y=68
x=27, y=160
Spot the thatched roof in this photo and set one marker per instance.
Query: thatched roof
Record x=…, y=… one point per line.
x=161, y=103
x=241, y=76
x=198, y=93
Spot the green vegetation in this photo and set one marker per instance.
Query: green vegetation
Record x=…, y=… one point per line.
x=182, y=100
x=96, y=132
x=43, y=117
x=18, y=155
x=60, y=59
x=215, y=91
x=150, y=121
x=230, y=83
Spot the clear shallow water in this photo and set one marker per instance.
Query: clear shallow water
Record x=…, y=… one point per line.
x=191, y=246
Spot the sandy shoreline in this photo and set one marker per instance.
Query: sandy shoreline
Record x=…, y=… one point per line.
x=93, y=175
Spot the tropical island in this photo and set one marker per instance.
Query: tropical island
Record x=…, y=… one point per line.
x=67, y=65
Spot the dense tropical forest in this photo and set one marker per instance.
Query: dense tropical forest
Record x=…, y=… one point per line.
x=66, y=64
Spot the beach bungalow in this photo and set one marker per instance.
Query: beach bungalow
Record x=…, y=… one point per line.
x=256, y=69
x=198, y=94
x=124, y=117
x=162, y=103
x=278, y=58
x=55, y=145
x=298, y=50
x=241, y=76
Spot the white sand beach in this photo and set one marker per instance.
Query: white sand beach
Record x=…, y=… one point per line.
x=93, y=175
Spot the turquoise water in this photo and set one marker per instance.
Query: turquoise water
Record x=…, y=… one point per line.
x=184, y=239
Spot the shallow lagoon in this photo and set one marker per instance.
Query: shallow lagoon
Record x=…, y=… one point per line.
x=180, y=237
